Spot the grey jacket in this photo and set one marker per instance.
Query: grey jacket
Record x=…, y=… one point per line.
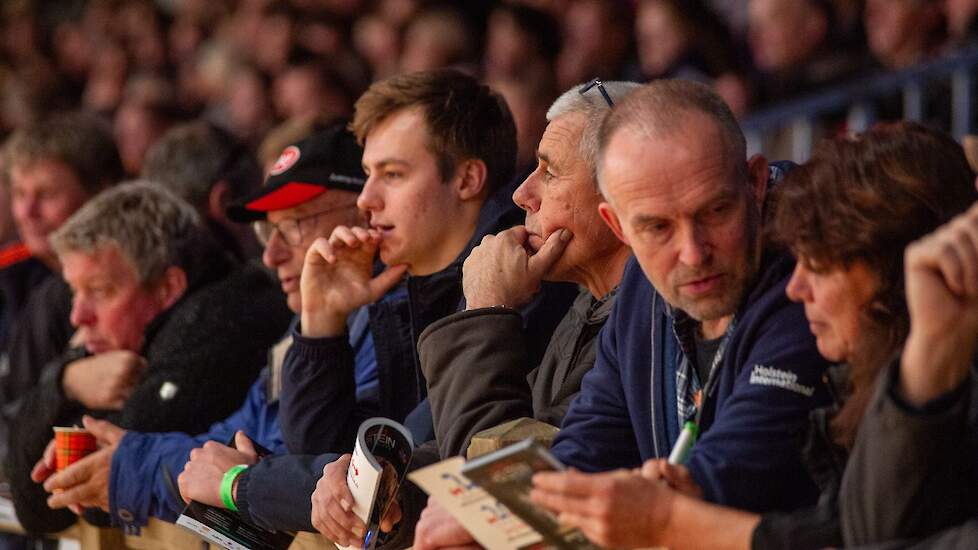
x=913, y=473
x=479, y=373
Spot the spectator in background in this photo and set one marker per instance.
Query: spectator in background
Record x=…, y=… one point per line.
x=680, y=39
x=273, y=40
x=684, y=39
x=106, y=82
x=378, y=42
x=437, y=38
x=18, y=273
x=210, y=169
x=901, y=33
x=249, y=112
x=962, y=22
x=596, y=38
x=139, y=123
x=528, y=100
x=521, y=43
x=51, y=169
x=8, y=230
x=307, y=88
x=794, y=48
x=152, y=298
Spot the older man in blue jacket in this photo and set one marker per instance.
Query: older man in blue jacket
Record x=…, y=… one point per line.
x=702, y=331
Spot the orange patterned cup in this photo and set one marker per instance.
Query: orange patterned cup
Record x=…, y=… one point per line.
x=71, y=445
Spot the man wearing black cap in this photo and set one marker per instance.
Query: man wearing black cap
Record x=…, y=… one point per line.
x=312, y=188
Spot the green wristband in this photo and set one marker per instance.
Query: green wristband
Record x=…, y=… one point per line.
x=227, y=484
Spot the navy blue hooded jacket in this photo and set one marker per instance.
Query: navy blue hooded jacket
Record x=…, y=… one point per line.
x=770, y=377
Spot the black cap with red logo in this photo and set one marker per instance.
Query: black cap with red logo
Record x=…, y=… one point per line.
x=327, y=160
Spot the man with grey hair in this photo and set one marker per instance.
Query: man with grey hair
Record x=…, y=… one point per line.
x=210, y=169
x=50, y=169
x=478, y=372
x=702, y=339
x=151, y=287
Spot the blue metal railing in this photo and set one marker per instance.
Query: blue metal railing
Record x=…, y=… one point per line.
x=799, y=119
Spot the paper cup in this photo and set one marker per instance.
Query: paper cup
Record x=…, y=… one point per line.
x=71, y=445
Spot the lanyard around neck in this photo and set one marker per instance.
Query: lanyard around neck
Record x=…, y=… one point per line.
x=713, y=379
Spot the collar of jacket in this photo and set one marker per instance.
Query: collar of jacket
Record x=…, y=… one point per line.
x=208, y=264
x=594, y=310
x=776, y=264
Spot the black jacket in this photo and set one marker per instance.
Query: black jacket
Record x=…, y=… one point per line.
x=814, y=527
x=36, y=310
x=207, y=350
x=913, y=474
x=317, y=417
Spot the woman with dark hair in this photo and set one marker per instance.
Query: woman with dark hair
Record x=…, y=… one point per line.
x=847, y=215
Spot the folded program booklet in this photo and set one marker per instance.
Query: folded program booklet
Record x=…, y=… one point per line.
x=226, y=528
x=490, y=497
x=381, y=457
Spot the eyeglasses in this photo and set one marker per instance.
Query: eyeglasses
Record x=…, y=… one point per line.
x=293, y=231
x=600, y=86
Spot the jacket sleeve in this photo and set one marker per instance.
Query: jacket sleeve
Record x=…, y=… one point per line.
x=475, y=363
x=318, y=408
x=597, y=432
x=809, y=528
x=275, y=493
x=29, y=436
x=911, y=472
x=138, y=488
x=750, y=457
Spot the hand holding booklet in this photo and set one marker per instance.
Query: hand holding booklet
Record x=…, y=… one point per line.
x=490, y=497
x=225, y=528
x=380, y=459
x=381, y=456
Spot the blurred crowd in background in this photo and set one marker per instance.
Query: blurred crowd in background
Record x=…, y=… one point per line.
x=249, y=65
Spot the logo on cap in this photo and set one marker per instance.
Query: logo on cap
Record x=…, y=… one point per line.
x=286, y=160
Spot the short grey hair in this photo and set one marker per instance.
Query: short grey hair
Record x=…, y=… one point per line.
x=660, y=108
x=190, y=158
x=594, y=108
x=152, y=227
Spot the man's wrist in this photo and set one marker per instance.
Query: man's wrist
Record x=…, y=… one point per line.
x=229, y=486
x=323, y=324
x=67, y=385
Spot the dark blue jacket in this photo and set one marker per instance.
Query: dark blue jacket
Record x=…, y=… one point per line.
x=748, y=455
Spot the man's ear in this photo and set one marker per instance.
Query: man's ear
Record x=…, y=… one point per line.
x=470, y=179
x=757, y=176
x=218, y=200
x=610, y=218
x=171, y=287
